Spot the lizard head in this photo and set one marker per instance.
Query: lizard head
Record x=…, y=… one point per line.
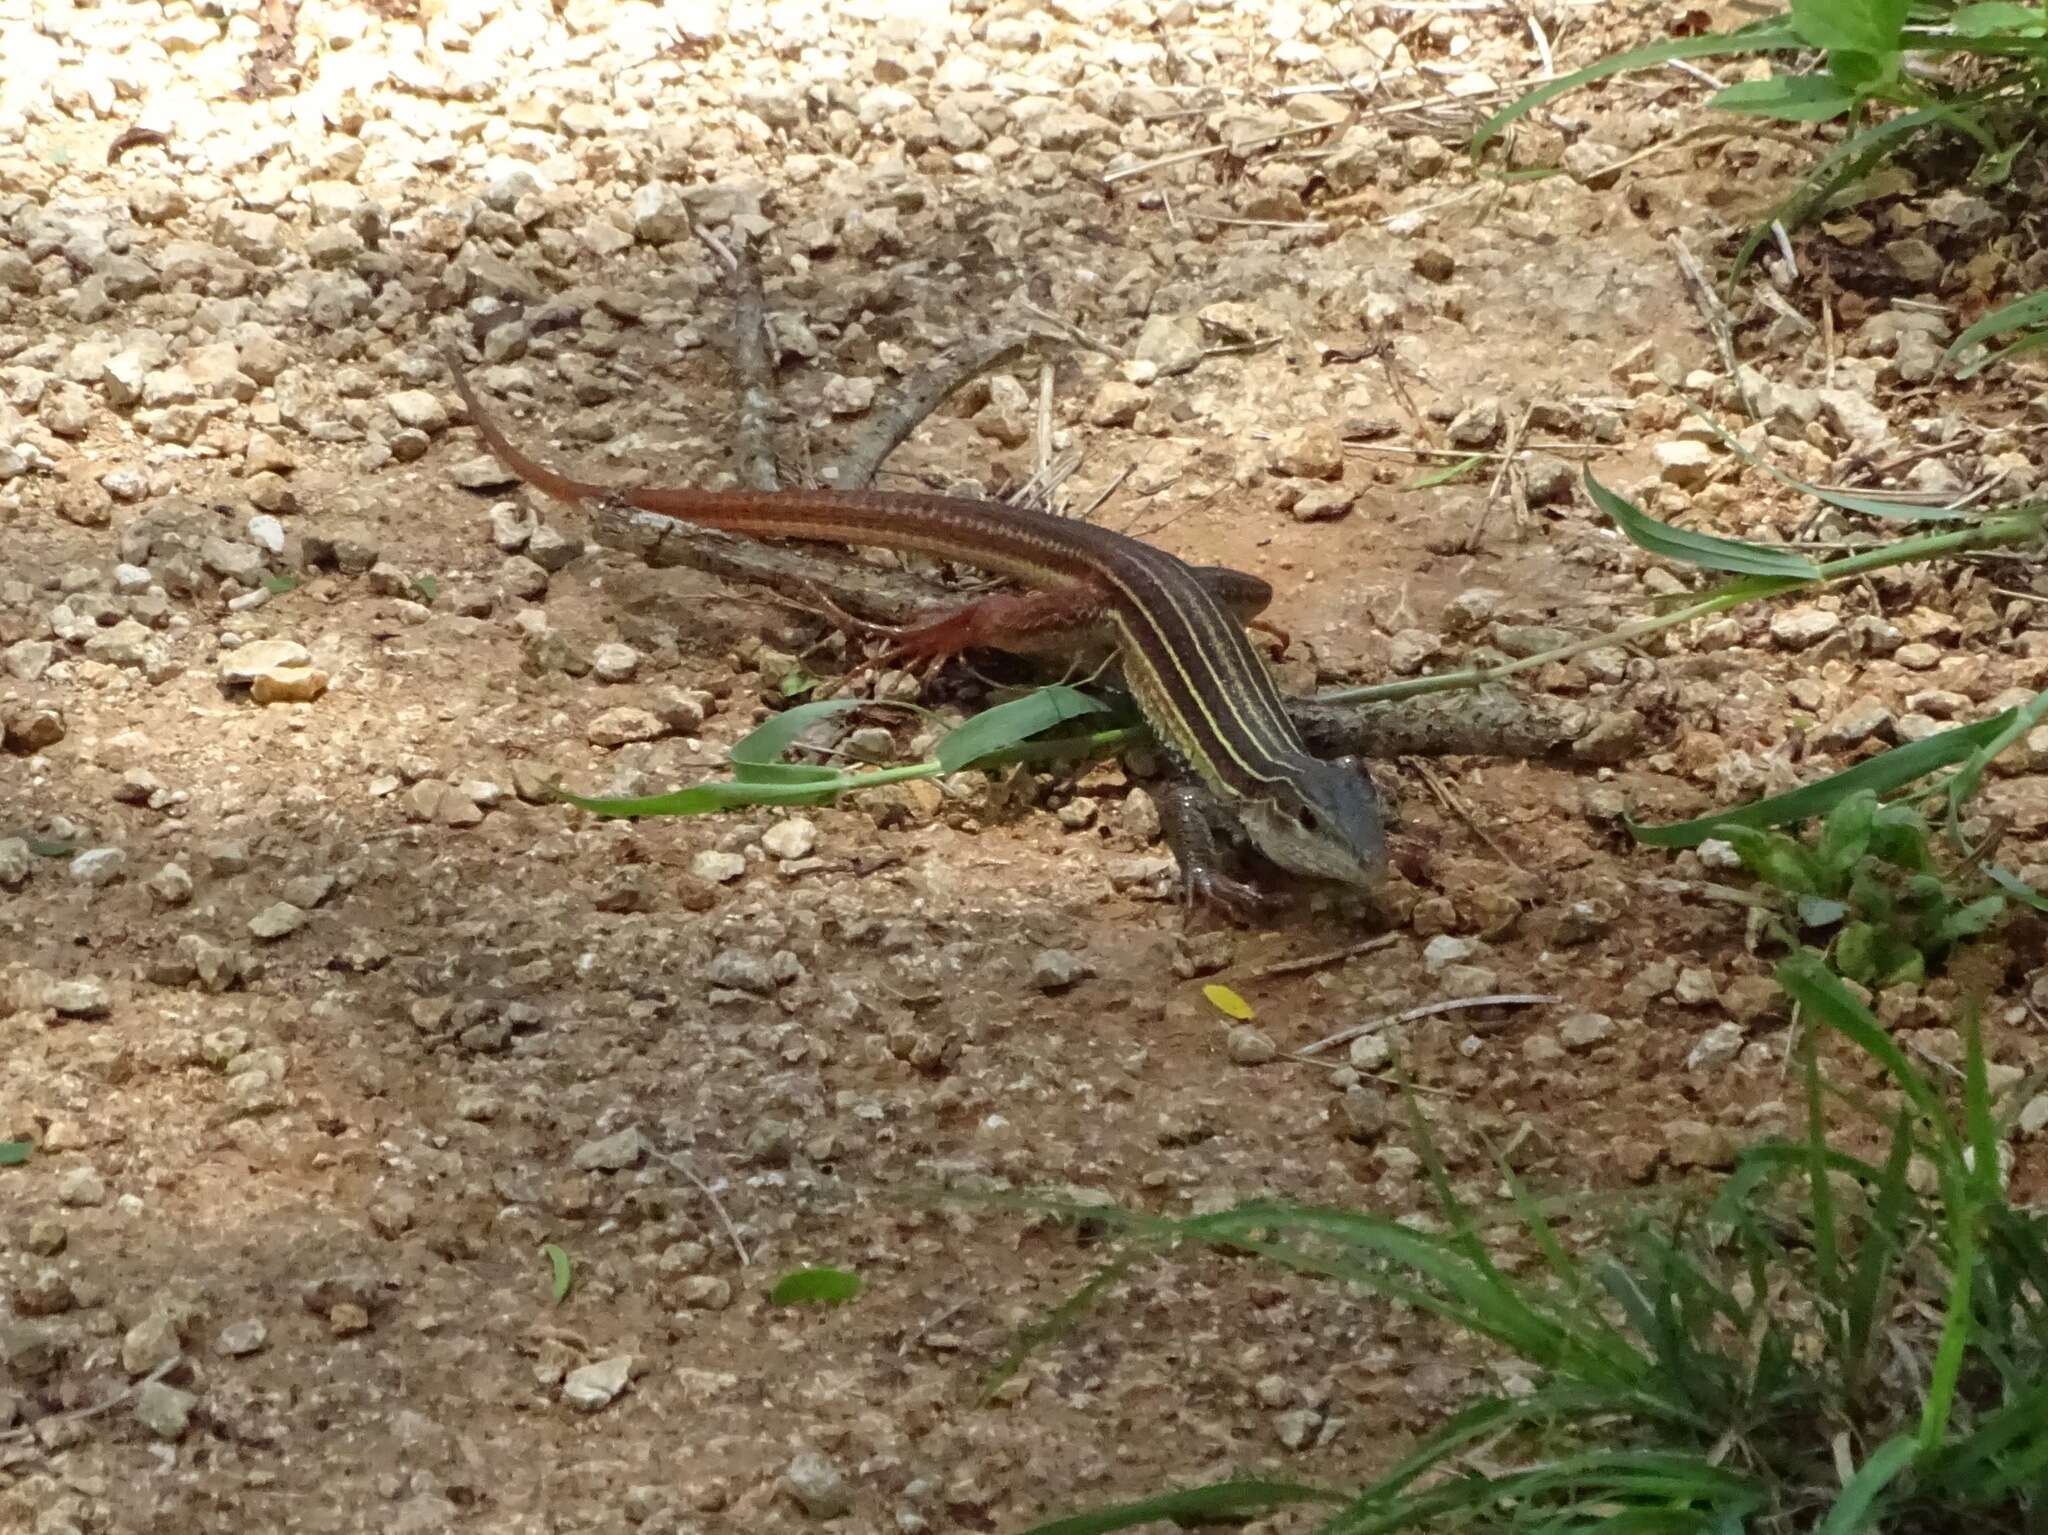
x=1323, y=821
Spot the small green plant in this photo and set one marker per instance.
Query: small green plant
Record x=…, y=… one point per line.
x=1827, y=1345
x=1898, y=71
x=1870, y=874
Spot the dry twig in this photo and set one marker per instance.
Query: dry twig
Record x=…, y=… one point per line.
x=1428, y=1010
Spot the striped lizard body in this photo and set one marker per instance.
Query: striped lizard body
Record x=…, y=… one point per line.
x=1202, y=687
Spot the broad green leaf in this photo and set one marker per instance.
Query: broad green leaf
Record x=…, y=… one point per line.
x=1006, y=724
x=277, y=586
x=1790, y=98
x=1777, y=860
x=562, y=1273
x=1851, y=1513
x=1856, y=952
x=1881, y=774
x=1703, y=549
x=1899, y=835
x=816, y=1287
x=1861, y=26
x=2021, y=314
x=1845, y=834
x=429, y=587
x=1769, y=36
x=1998, y=16
x=1445, y=475
x=797, y=685
x=14, y=1153
x=43, y=847
x=1228, y=1003
x=1864, y=74
x=1971, y=920
x=1216, y=1503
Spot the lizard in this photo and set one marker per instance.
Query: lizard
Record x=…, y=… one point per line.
x=1182, y=649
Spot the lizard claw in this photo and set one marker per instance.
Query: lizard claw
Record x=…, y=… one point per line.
x=1240, y=902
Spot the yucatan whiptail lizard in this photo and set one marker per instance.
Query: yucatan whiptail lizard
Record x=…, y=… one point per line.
x=1178, y=631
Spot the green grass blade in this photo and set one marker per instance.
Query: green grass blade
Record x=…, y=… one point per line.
x=1963, y=787
x=1822, y=993
x=1763, y=37
x=1057, y=1323
x=1851, y=1512
x=1883, y=1243
x=2022, y=314
x=1707, y=550
x=1956, y=1326
x=1844, y=164
x=1007, y=724
x=1870, y=506
x=1883, y=773
x=1826, y=1232
x=764, y=745
x=709, y=798
x=1443, y=476
x=1193, y=1505
x=2033, y=342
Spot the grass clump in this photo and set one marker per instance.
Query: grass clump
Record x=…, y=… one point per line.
x=1828, y=1343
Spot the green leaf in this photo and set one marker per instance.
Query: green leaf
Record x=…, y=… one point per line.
x=1861, y=26
x=1768, y=36
x=1862, y=74
x=14, y=1153
x=1777, y=860
x=1899, y=836
x=1789, y=98
x=428, y=587
x=563, y=1274
x=1845, y=835
x=1998, y=16
x=43, y=847
x=1851, y=1513
x=1005, y=725
x=277, y=586
x=816, y=1287
x=1214, y=1504
x=1899, y=962
x=762, y=747
x=1855, y=952
x=1821, y=911
x=1971, y=920
x=1881, y=774
x=1703, y=549
x=1445, y=475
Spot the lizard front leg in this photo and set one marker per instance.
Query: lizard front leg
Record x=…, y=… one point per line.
x=1190, y=816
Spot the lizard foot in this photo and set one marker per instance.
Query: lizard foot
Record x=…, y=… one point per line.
x=1242, y=903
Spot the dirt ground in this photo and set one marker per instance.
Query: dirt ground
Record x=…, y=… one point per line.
x=323, y=1026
